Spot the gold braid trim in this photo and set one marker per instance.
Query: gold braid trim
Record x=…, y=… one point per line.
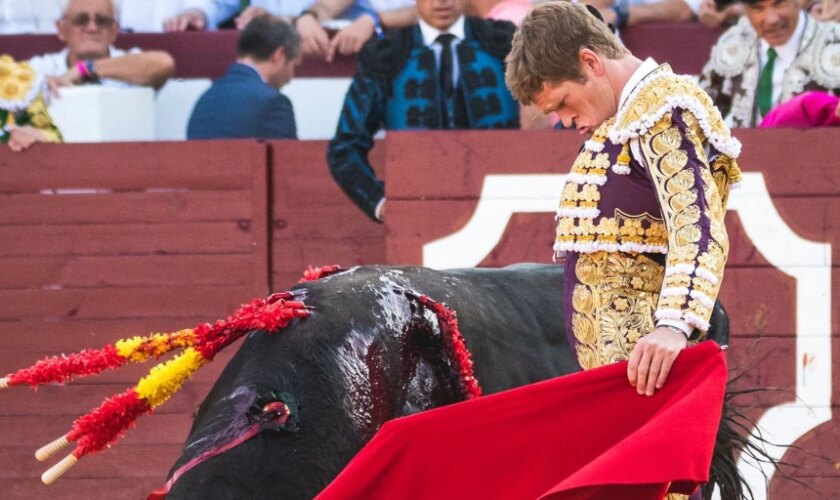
x=689, y=192
x=659, y=94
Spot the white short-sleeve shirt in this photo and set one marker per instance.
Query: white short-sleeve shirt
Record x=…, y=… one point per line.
x=55, y=64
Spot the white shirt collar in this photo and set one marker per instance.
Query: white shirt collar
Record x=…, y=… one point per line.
x=788, y=51
x=642, y=71
x=430, y=34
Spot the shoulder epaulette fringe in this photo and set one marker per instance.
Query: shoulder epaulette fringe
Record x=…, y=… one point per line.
x=644, y=108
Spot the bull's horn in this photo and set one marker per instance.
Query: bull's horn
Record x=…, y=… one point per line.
x=4, y=382
x=58, y=470
x=51, y=449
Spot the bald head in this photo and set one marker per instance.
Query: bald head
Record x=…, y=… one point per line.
x=88, y=27
x=106, y=5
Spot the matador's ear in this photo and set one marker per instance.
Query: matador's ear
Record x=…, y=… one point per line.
x=595, y=12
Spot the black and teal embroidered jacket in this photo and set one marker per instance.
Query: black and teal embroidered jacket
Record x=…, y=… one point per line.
x=396, y=86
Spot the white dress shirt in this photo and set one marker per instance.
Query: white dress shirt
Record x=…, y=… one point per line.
x=430, y=35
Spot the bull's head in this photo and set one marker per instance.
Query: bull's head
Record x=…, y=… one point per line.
x=289, y=411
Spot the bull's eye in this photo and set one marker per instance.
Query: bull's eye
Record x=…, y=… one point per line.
x=275, y=411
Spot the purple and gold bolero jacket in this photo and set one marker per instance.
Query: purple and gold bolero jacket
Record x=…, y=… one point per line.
x=654, y=180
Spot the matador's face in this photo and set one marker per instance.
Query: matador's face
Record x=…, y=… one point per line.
x=582, y=105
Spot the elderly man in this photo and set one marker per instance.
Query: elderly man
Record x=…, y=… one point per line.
x=245, y=103
x=447, y=72
x=89, y=28
x=640, y=222
x=773, y=54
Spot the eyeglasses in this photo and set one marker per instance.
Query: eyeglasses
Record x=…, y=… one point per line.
x=82, y=20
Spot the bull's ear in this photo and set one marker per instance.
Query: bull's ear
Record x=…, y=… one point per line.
x=276, y=411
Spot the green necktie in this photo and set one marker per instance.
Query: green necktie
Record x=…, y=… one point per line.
x=765, y=83
x=244, y=4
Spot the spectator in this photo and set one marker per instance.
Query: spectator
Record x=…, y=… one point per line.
x=504, y=10
x=447, y=72
x=23, y=114
x=716, y=13
x=308, y=16
x=162, y=15
x=245, y=102
x=30, y=16
x=88, y=28
x=623, y=13
x=774, y=53
x=383, y=14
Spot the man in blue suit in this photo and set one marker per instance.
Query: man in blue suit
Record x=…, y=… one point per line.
x=245, y=102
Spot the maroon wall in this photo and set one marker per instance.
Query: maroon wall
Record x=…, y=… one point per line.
x=102, y=242
x=181, y=233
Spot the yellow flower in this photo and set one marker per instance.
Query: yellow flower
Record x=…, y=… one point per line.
x=25, y=77
x=10, y=91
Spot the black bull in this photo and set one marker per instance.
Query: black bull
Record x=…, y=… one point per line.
x=369, y=353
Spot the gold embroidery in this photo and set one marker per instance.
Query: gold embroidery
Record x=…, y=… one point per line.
x=643, y=230
x=613, y=305
x=677, y=188
x=653, y=96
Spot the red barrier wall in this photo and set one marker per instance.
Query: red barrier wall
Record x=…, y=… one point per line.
x=102, y=242
x=313, y=221
x=99, y=243
x=179, y=233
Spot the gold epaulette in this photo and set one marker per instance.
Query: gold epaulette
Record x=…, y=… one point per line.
x=660, y=93
x=19, y=84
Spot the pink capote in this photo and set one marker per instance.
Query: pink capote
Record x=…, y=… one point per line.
x=811, y=109
x=583, y=436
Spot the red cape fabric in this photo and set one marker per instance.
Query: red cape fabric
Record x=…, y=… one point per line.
x=583, y=436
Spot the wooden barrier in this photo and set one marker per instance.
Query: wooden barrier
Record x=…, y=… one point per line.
x=207, y=54
x=103, y=242
x=313, y=221
x=99, y=242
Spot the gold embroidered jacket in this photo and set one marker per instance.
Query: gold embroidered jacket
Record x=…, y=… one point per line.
x=654, y=180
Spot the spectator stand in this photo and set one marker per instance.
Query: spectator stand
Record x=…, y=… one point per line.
x=318, y=89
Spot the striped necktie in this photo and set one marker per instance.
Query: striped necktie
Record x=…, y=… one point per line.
x=765, y=83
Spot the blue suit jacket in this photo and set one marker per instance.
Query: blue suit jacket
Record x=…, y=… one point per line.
x=241, y=105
